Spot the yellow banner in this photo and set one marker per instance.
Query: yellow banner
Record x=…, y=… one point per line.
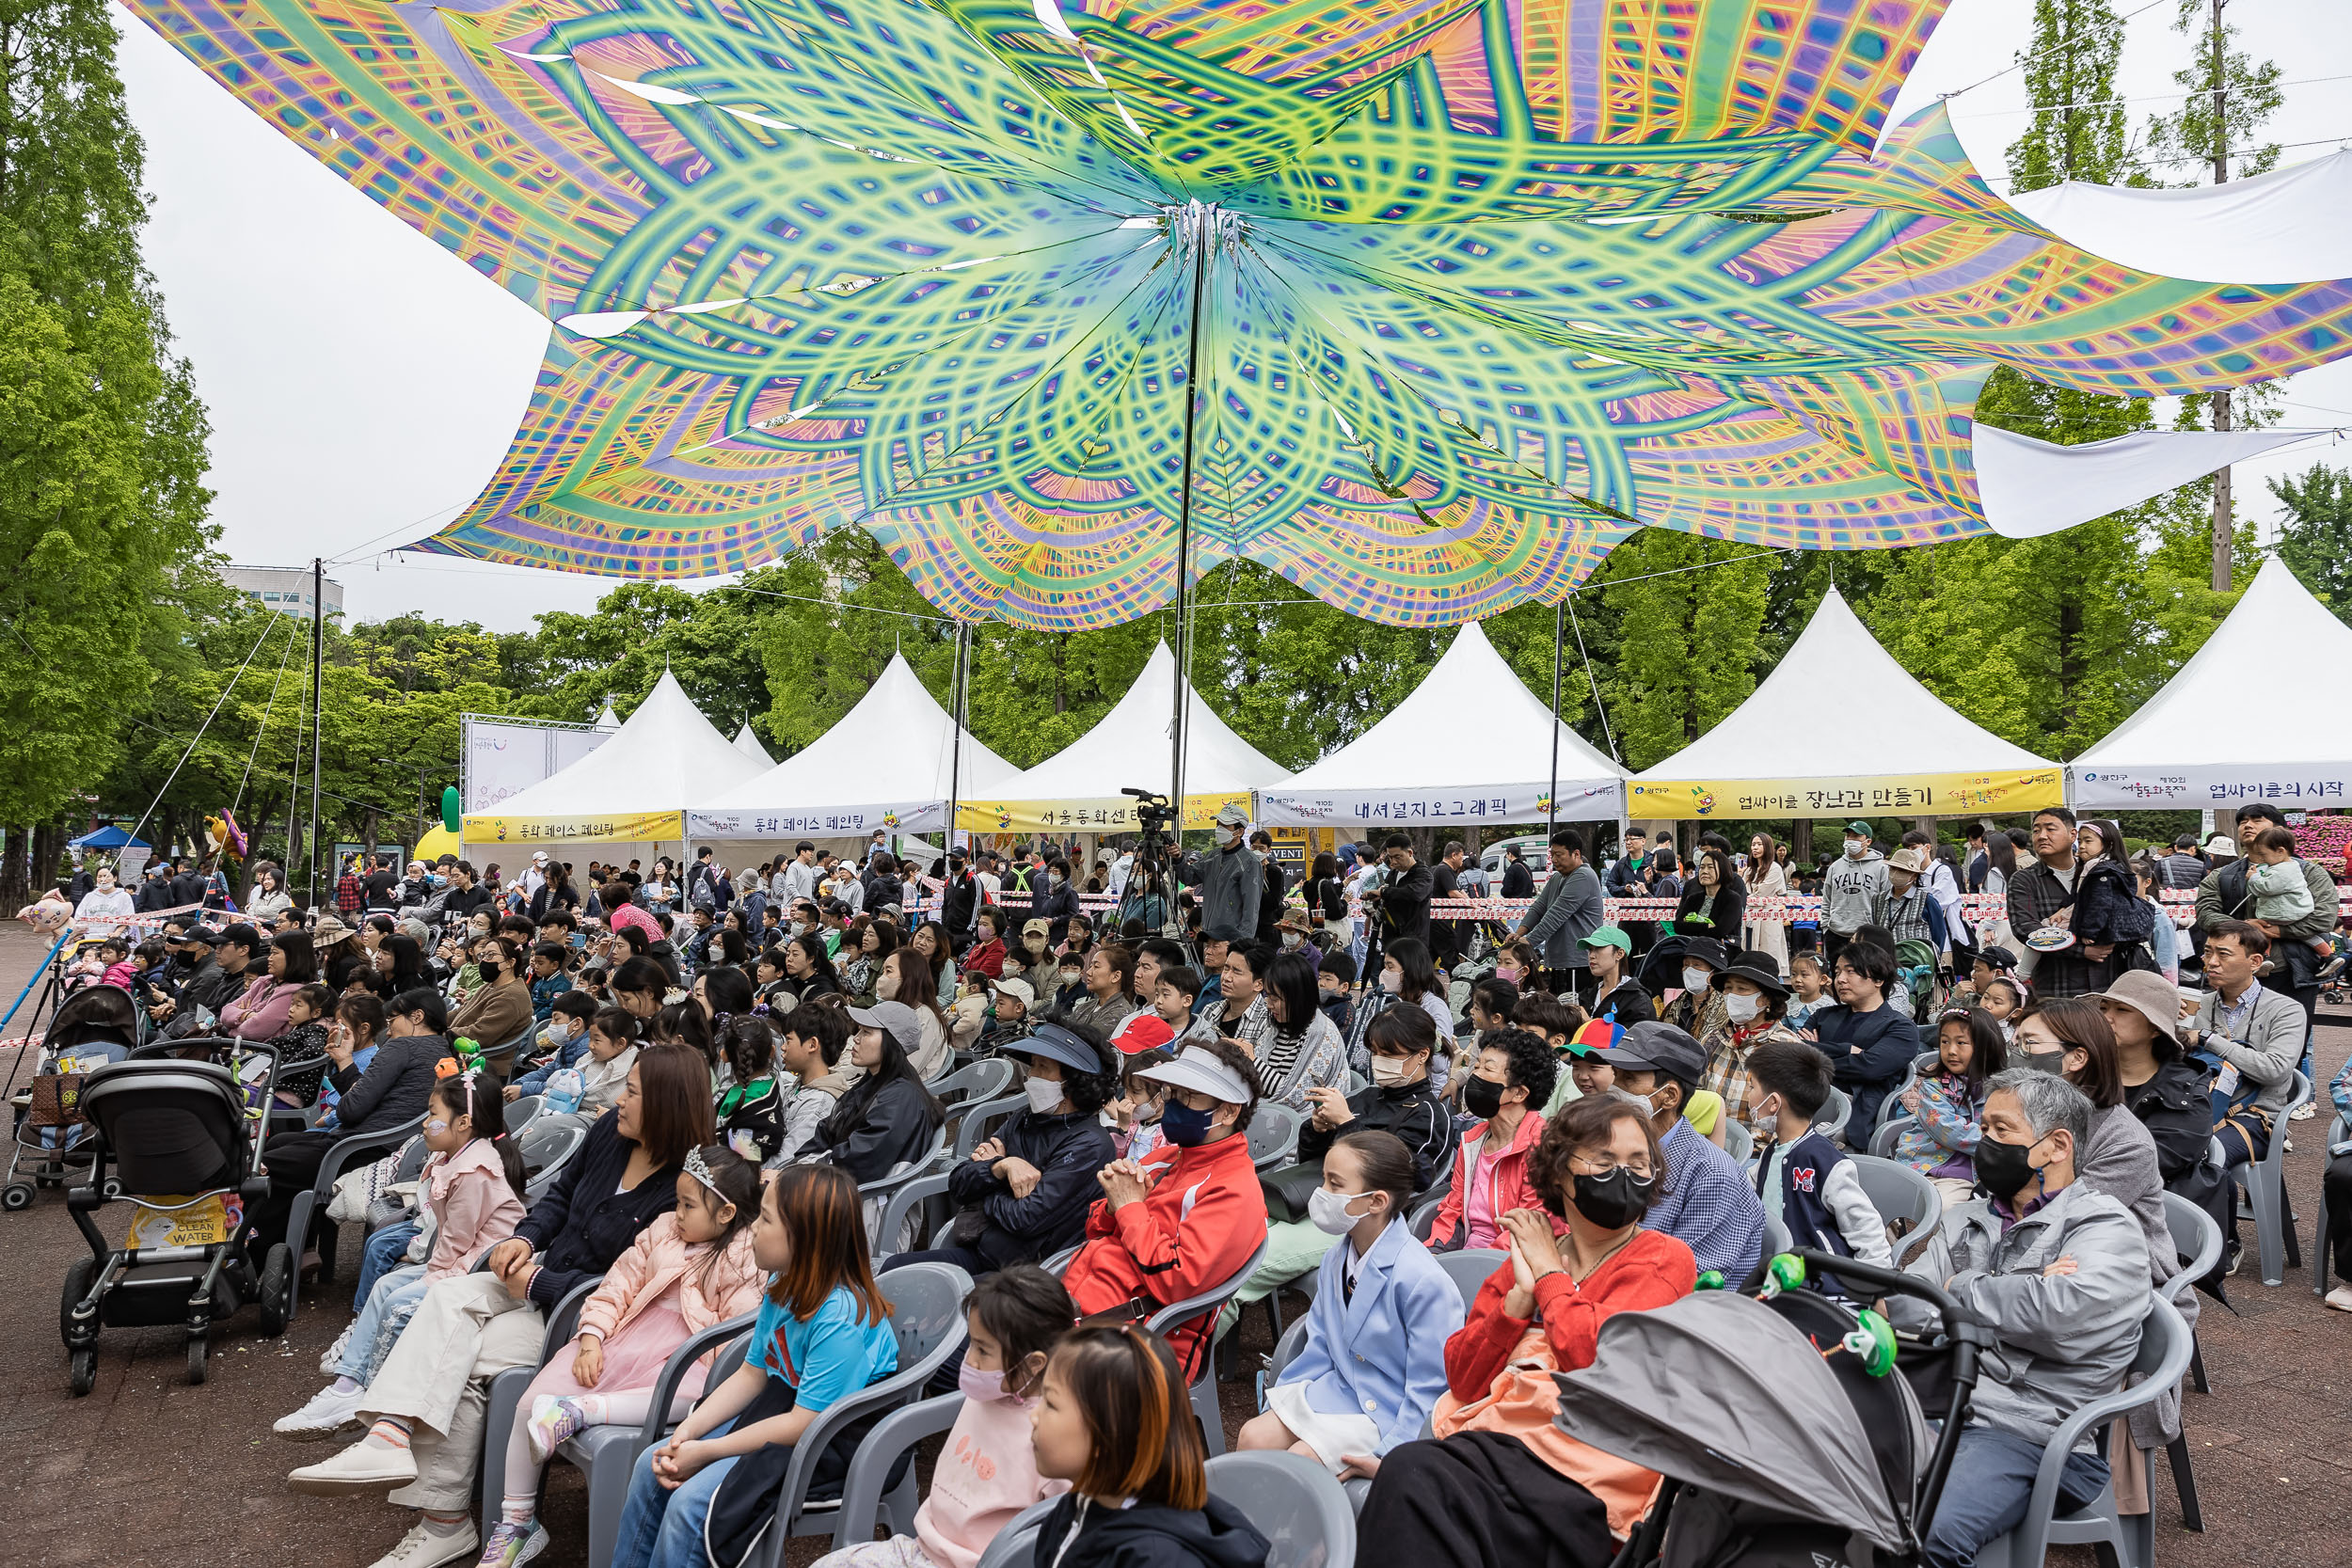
x=1908, y=795
x=1114, y=815
x=638, y=828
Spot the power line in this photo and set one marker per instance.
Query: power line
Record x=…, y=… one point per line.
x=2058, y=49
x=2142, y=98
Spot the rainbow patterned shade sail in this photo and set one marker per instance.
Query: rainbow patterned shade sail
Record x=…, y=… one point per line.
x=1482, y=287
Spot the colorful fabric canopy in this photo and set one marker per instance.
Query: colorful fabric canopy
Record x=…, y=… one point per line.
x=1485, y=286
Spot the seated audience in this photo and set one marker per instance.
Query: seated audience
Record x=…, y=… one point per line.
x=1513, y=1074
x=1706, y=1204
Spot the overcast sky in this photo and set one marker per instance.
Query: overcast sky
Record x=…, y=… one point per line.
x=363, y=383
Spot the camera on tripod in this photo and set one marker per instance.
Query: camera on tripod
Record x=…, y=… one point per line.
x=1154, y=816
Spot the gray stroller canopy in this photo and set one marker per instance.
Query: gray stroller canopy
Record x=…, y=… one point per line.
x=1721, y=1392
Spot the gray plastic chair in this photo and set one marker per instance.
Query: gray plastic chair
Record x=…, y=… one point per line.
x=2338, y=1130
x=1206, y=1306
x=357, y=1148
x=547, y=1146
x=1899, y=1193
x=973, y=1125
x=983, y=1080
x=2197, y=1239
x=1883, y=1141
x=897, y=1213
x=2264, y=1181
x=887, y=1187
x=1893, y=1104
x=506, y=1397
x=2163, y=1350
x=1470, y=1268
x=928, y=1317
x=1424, y=1218
x=521, y=1112
x=1835, y=1113
x=1273, y=1135
x=1015, y=1545
x=862, y=1495
x=1775, y=1238
x=1294, y=1503
x=1738, y=1141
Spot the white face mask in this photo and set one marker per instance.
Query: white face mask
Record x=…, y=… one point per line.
x=1696, y=979
x=1393, y=981
x=1389, y=1071
x=1857, y=848
x=1329, y=1210
x=1044, y=1095
x=1742, y=1009
x=1290, y=939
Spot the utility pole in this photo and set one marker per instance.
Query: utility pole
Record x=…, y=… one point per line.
x=318, y=696
x=2223, y=411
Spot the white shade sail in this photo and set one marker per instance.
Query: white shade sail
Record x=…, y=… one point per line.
x=1078, y=787
x=885, y=764
x=2227, y=730
x=1840, y=728
x=2029, y=488
x=1471, y=745
x=633, y=789
x=2290, y=226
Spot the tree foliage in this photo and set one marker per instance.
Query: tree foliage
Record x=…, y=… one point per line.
x=2317, y=544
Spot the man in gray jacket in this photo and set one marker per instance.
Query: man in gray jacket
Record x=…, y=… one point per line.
x=1852, y=886
x=1568, y=909
x=2060, y=1274
x=1231, y=883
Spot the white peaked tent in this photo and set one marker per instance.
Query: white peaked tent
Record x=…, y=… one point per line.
x=2225, y=731
x=885, y=764
x=1840, y=729
x=608, y=720
x=748, y=743
x=633, y=789
x=1078, y=787
x=1471, y=745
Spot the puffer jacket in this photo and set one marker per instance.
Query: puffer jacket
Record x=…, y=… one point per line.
x=1067, y=1151
x=1200, y=1221
x=710, y=1290
x=2065, y=1339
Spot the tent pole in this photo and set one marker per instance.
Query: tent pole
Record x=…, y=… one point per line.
x=959, y=704
x=318, y=637
x=1202, y=231
x=1551, y=800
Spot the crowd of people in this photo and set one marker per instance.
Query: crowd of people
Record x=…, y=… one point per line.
x=1622, y=1111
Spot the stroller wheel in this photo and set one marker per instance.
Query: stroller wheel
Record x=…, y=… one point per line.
x=196, y=1360
x=15, y=1196
x=84, y=1372
x=77, y=1279
x=277, y=1290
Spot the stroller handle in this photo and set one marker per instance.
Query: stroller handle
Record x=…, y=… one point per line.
x=1893, y=1282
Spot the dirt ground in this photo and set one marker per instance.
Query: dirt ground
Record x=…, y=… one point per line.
x=150, y=1472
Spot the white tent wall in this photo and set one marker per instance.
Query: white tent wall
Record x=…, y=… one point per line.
x=2225, y=730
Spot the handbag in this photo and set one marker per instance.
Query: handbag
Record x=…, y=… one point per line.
x=1286, y=1191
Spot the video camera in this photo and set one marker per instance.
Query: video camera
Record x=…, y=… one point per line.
x=1154, y=816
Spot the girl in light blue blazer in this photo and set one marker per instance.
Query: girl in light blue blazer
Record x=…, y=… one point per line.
x=1373, y=1362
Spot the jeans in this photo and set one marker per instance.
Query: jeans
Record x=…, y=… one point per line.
x=396, y=1294
x=1991, y=1482
x=663, y=1528
x=382, y=1254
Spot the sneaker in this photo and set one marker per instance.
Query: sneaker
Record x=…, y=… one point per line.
x=2304, y=1112
x=327, y=1413
x=505, y=1547
x=424, y=1548
x=533, y=1544
x=332, y=1364
x=366, y=1466
x=553, y=1419
x=2236, y=1256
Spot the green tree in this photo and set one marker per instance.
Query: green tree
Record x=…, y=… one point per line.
x=2317, y=544
x=101, y=437
x=2079, y=130
x=1688, y=641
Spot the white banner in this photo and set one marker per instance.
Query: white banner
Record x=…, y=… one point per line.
x=811, y=821
x=2223, y=786
x=1580, y=801
x=505, y=756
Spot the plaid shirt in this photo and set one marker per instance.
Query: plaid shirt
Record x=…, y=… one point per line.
x=1708, y=1205
x=2035, y=893
x=1727, y=1062
x=350, y=893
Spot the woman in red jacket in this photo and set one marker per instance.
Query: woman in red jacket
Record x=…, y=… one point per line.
x=1499, y=1484
x=1190, y=1215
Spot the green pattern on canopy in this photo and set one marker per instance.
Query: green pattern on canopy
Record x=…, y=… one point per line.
x=1487, y=285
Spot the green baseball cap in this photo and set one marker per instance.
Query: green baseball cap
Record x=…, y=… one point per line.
x=1858, y=830
x=1608, y=936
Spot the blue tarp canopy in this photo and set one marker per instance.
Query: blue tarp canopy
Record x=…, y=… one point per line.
x=107, y=837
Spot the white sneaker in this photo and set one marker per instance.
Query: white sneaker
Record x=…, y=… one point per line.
x=364, y=1466
x=332, y=1364
x=2340, y=1298
x=327, y=1414
x=423, y=1548
x=2304, y=1112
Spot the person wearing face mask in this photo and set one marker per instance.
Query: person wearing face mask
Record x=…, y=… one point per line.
x=1187, y=1215
x=565, y=1040
x=1806, y=1182
x=1024, y=1193
x=1699, y=1011
x=1513, y=1074
x=1499, y=1483
x=1851, y=888
x=2059, y=1272
x=1707, y=1203
x=1371, y=1365
x=499, y=1009
x=1232, y=881
x=1754, y=997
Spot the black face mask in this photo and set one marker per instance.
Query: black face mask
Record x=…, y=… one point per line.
x=1612, y=1202
x=2003, y=1169
x=1482, y=1097
x=489, y=972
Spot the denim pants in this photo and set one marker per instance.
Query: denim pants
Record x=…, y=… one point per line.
x=380, y=1255
x=1991, y=1482
x=663, y=1528
x=396, y=1294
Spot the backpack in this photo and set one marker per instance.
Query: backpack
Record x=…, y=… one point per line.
x=1914, y=969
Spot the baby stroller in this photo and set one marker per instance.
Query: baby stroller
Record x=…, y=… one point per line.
x=49, y=1139
x=184, y=1138
x=1788, y=1425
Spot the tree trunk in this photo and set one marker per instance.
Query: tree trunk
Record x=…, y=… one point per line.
x=1801, y=842
x=15, y=889
x=48, y=844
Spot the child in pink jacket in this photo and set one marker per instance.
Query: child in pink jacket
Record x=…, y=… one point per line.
x=689, y=1270
x=988, y=1471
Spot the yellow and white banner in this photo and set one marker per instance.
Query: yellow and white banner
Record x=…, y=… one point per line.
x=653, y=827
x=1908, y=795
x=1115, y=814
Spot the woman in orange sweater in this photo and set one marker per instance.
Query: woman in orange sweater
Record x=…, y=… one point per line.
x=1500, y=1483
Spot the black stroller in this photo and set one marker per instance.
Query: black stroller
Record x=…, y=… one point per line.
x=1791, y=1428
x=184, y=1136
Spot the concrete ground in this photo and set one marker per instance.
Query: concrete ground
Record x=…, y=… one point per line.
x=150, y=1472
